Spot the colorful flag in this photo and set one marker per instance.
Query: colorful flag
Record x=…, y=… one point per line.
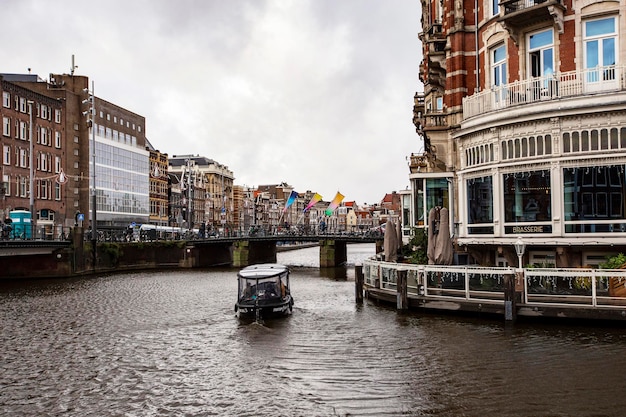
x=290, y=200
x=334, y=204
x=316, y=198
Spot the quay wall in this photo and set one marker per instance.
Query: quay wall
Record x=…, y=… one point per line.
x=35, y=264
x=76, y=258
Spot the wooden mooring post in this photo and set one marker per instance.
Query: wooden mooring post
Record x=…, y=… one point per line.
x=358, y=283
x=402, y=288
x=510, y=307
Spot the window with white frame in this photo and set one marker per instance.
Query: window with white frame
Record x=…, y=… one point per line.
x=44, y=111
x=44, y=184
x=57, y=191
x=6, y=126
x=43, y=165
x=23, y=130
x=22, y=186
x=23, y=158
x=498, y=66
x=498, y=72
x=6, y=183
x=57, y=164
x=600, y=40
x=541, y=53
x=6, y=99
x=57, y=116
x=22, y=104
x=6, y=155
x=495, y=9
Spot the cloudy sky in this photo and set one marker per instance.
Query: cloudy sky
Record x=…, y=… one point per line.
x=315, y=93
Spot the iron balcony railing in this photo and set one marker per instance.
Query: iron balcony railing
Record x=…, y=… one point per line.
x=512, y=6
x=553, y=87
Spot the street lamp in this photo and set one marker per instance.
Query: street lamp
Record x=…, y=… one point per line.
x=520, y=247
x=32, y=171
x=91, y=123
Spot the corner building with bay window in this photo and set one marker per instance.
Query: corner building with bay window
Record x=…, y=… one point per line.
x=523, y=119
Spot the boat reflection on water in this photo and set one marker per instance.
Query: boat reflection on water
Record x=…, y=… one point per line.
x=263, y=292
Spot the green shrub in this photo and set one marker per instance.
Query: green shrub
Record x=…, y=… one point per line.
x=112, y=252
x=615, y=262
x=416, y=250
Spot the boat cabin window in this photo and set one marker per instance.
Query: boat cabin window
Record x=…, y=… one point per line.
x=263, y=288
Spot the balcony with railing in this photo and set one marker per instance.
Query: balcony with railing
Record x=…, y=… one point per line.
x=525, y=12
x=572, y=84
x=517, y=15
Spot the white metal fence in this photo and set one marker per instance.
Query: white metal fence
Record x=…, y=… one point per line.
x=556, y=86
x=541, y=286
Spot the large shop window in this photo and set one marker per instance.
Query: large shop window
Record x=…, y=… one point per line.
x=480, y=205
x=527, y=197
x=594, y=199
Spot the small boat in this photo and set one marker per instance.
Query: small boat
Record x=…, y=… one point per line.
x=263, y=292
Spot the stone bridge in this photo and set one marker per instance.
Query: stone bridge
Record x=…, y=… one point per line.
x=49, y=258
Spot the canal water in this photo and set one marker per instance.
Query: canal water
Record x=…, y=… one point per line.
x=168, y=344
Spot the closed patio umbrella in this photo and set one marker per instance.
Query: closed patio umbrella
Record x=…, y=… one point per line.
x=399, y=234
x=444, y=253
x=390, y=242
x=433, y=222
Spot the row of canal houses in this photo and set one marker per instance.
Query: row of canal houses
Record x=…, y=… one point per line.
x=56, y=131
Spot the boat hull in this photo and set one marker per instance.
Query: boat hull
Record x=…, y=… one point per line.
x=268, y=310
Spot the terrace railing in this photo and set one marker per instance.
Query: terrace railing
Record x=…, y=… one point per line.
x=554, y=87
x=541, y=286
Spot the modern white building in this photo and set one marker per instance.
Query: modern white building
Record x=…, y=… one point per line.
x=122, y=184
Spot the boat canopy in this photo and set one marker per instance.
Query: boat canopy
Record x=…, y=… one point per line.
x=264, y=281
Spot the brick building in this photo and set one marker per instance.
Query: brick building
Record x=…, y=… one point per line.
x=64, y=112
x=31, y=118
x=523, y=125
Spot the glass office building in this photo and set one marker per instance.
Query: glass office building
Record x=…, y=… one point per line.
x=122, y=181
